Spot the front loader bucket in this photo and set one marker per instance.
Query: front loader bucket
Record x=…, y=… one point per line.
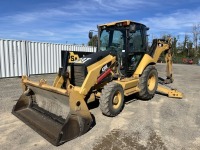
x=56, y=117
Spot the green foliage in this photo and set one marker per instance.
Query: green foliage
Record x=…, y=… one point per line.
x=174, y=46
x=183, y=49
x=93, y=41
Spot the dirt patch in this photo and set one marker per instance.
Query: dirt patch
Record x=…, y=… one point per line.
x=120, y=140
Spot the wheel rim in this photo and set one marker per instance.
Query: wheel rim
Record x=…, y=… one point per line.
x=117, y=100
x=151, y=82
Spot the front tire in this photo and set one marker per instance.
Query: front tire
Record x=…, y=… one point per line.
x=148, y=83
x=112, y=99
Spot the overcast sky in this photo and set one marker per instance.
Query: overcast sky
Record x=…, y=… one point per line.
x=62, y=21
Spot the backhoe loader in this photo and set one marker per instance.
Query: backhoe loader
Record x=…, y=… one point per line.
x=122, y=66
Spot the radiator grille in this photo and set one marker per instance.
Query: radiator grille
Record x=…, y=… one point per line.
x=79, y=75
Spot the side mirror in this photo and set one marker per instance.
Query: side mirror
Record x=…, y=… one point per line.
x=132, y=28
x=90, y=34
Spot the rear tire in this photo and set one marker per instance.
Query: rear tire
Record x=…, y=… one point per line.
x=148, y=83
x=112, y=99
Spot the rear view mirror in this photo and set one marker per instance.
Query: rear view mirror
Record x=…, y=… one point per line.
x=90, y=34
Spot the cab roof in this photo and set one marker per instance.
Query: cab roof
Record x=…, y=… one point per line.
x=127, y=22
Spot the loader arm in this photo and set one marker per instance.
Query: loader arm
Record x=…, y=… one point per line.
x=56, y=114
x=94, y=72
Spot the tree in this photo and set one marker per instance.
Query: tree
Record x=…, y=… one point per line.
x=166, y=36
x=93, y=41
x=185, y=41
x=196, y=33
x=174, y=42
x=174, y=46
x=190, y=49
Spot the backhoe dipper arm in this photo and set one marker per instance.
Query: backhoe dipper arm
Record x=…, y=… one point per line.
x=159, y=46
x=168, y=60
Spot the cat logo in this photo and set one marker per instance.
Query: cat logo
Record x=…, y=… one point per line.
x=104, y=68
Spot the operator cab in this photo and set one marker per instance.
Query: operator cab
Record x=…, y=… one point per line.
x=128, y=39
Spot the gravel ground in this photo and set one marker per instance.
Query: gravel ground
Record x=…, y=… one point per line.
x=160, y=123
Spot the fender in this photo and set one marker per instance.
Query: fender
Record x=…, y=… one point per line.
x=146, y=60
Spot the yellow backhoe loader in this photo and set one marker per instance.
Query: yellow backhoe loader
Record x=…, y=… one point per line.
x=121, y=66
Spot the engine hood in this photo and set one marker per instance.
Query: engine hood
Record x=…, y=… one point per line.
x=93, y=58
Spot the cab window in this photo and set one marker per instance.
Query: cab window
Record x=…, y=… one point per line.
x=135, y=40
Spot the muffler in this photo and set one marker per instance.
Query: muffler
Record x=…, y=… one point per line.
x=55, y=116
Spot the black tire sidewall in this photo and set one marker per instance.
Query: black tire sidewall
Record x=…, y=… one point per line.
x=145, y=93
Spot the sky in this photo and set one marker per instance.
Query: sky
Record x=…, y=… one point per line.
x=69, y=21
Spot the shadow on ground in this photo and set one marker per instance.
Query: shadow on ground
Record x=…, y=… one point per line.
x=119, y=139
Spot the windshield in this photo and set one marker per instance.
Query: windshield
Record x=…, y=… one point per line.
x=112, y=39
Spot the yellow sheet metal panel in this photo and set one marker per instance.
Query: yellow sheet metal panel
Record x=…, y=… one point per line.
x=146, y=60
x=114, y=23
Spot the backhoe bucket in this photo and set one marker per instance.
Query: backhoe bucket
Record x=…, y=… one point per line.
x=55, y=116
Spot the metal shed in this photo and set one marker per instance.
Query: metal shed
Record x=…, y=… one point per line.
x=19, y=58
